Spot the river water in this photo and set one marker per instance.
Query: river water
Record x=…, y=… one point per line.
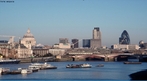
x=110, y=71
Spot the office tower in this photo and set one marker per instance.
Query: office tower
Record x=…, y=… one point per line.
x=124, y=39
x=96, y=41
x=96, y=33
x=63, y=40
x=86, y=43
x=75, y=43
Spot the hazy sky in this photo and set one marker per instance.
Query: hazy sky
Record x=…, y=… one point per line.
x=50, y=20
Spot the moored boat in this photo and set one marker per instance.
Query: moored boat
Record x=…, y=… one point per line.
x=15, y=72
x=4, y=71
x=79, y=66
x=48, y=66
x=72, y=66
x=42, y=66
x=132, y=62
x=85, y=66
x=9, y=61
x=100, y=65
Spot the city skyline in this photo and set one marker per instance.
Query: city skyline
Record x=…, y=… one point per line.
x=50, y=20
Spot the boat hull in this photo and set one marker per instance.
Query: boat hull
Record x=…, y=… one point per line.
x=132, y=62
x=10, y=62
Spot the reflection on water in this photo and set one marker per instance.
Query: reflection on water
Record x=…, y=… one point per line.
x=110, y=71
x=24, y=75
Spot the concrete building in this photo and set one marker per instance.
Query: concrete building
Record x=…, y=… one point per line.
x=142, y=45
x=63, y=40
x=96, y=41
x=65, y=46
x=57, y=51
x=96, y=33
x=125, y=47
x=28, y=39
x=62, y=46
x=40, y=52
x=23, y=52
x=75, y=43
x=5, y=44
x=6, y=49
x=86, y=43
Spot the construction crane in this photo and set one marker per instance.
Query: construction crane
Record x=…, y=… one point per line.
x=11, y=40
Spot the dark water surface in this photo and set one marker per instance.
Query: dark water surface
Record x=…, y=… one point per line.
x=110, y=71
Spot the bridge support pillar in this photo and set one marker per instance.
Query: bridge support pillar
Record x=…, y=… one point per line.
x=106, y=59
x=109, y=59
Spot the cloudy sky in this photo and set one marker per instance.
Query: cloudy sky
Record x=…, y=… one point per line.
x=50, y=20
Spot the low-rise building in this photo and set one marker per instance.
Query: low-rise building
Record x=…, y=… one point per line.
x=57, y=51
x=23, y=52
x=125, y=47
x=62, y=45
x=40, y=52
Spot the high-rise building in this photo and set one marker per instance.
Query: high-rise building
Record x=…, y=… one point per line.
x=96, y=33
x=124, y=39
x=63, y=40
x=96, y=41
x=86, y=43
x=75, y=43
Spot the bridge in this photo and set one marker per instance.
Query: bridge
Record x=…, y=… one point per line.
x=109, y=57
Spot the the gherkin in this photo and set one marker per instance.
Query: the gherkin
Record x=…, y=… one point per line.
x=124, y=39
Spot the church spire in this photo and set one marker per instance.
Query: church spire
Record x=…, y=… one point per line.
x=28, y=31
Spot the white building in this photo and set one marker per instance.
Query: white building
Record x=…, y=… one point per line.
x=125, y=47
x=62, y=46
x=23, y=52
x=28, y=39
x=57, y=51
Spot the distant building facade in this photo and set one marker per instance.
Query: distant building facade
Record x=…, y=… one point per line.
x=63, y=40
x=28, y=39
x=124, y=39
x=96, y=33
x=4, y=44
x=55, y=52
x=40, y=52
x=75, y=43
x=142, y=45
x=86, y=43
x=96, y=41
x=125, y=47
x=23, y=52
x=62, y=46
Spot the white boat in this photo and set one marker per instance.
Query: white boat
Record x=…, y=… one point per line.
x=35, y=65
x=4, y=71
x=48, y=66
x=25, y=70
x=42, y=66
x=85, y=66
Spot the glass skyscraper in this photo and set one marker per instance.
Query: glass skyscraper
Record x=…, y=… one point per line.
x=124, y=39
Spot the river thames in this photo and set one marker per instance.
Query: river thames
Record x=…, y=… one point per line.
x=110, y=71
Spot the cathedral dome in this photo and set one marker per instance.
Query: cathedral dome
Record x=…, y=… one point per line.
x=28, y=34
x=141, y=42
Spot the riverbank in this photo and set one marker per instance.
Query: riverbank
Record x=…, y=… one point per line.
x=43, y=59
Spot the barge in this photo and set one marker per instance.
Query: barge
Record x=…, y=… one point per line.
x=132, y=62
x=14, y=61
